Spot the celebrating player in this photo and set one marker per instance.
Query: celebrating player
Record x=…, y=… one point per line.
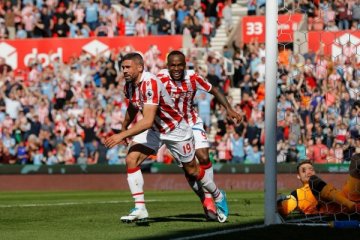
x=317, y=196
x=182, y=85
x=161, y=123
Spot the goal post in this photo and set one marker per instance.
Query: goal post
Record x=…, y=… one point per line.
x=271, y=53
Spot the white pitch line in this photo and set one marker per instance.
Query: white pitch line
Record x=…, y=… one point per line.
x=204, y=235
x=65, y=204
x=76, y=203
x=71, y=203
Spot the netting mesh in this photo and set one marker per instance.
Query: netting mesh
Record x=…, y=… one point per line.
x=318, y=106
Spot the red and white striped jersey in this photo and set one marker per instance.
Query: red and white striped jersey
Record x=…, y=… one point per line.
x=183, y=92
x=151, y=91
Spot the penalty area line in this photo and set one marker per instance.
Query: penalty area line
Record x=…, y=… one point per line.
x=205, y=235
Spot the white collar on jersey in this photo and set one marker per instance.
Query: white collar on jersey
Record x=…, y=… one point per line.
x=144, y=75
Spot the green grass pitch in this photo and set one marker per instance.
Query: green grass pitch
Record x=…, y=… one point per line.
x=173, y=215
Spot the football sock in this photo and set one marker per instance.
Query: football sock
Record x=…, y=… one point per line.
x=136, y=184
x=209, y=185
x=196, y=187
x=209, y=171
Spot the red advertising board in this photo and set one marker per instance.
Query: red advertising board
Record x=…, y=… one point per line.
x=254, y=27
x=334, y=43
x=18, y=52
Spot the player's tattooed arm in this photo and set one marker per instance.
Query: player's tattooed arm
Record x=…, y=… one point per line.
x=130, y=115
x=145, y=123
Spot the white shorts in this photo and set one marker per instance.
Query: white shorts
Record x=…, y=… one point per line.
x=201, y=140
x=179, y=141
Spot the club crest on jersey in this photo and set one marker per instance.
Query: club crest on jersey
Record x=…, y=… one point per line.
x=149, y=94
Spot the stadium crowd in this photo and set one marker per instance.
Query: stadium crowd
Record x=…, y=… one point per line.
x=61, y=113
x=81, y=19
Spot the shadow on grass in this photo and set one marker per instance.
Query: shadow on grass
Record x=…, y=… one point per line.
x=179, y=218
x=183, y=234
x=250, y=231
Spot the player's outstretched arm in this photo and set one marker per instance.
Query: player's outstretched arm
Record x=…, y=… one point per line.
x=232, y=114
x=327, y=192
x=149, y=113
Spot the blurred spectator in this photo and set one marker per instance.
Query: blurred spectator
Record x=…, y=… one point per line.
x=132, y=12
x=319, y=151
x=251, y=7
x=12, y=103
x=129, y=27
x=112, y=155
x=211, y=12
x=140, y=28
x=253, y=155
x=238, y=145
x=182, y=12
x=227, y=16
x=61, y=28
x=22, y=153
x=51, y=159
x=46, y=22
x=4, y=67
x=4, y=32
x=213, y=78
x=20, y=33
x=89, y=137
x=92, y=14
x=224, y=149
x=82, y=159
x=207, y=28
x=342, y=14
x=355, y=10
x=203, y=105
x=163, y=25
x=6, y=157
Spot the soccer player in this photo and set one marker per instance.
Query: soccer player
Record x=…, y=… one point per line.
x=182, y=86
x=316, y=196
x=161, y=123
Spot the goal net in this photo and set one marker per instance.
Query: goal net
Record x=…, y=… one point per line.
x=316, y=107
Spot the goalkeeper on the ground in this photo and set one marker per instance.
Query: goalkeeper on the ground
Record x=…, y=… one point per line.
x=317, y=196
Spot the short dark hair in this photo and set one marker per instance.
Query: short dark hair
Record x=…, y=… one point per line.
x=307, y=161
x=174, y=53
x=134, y=56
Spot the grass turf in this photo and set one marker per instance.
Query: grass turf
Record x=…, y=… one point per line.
x=173, y=214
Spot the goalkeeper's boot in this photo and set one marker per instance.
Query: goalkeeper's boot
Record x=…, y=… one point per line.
x=209, y=209
x=222, y=208
x=136, y=215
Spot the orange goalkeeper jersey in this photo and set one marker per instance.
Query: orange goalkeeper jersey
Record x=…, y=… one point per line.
x=303, y=200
